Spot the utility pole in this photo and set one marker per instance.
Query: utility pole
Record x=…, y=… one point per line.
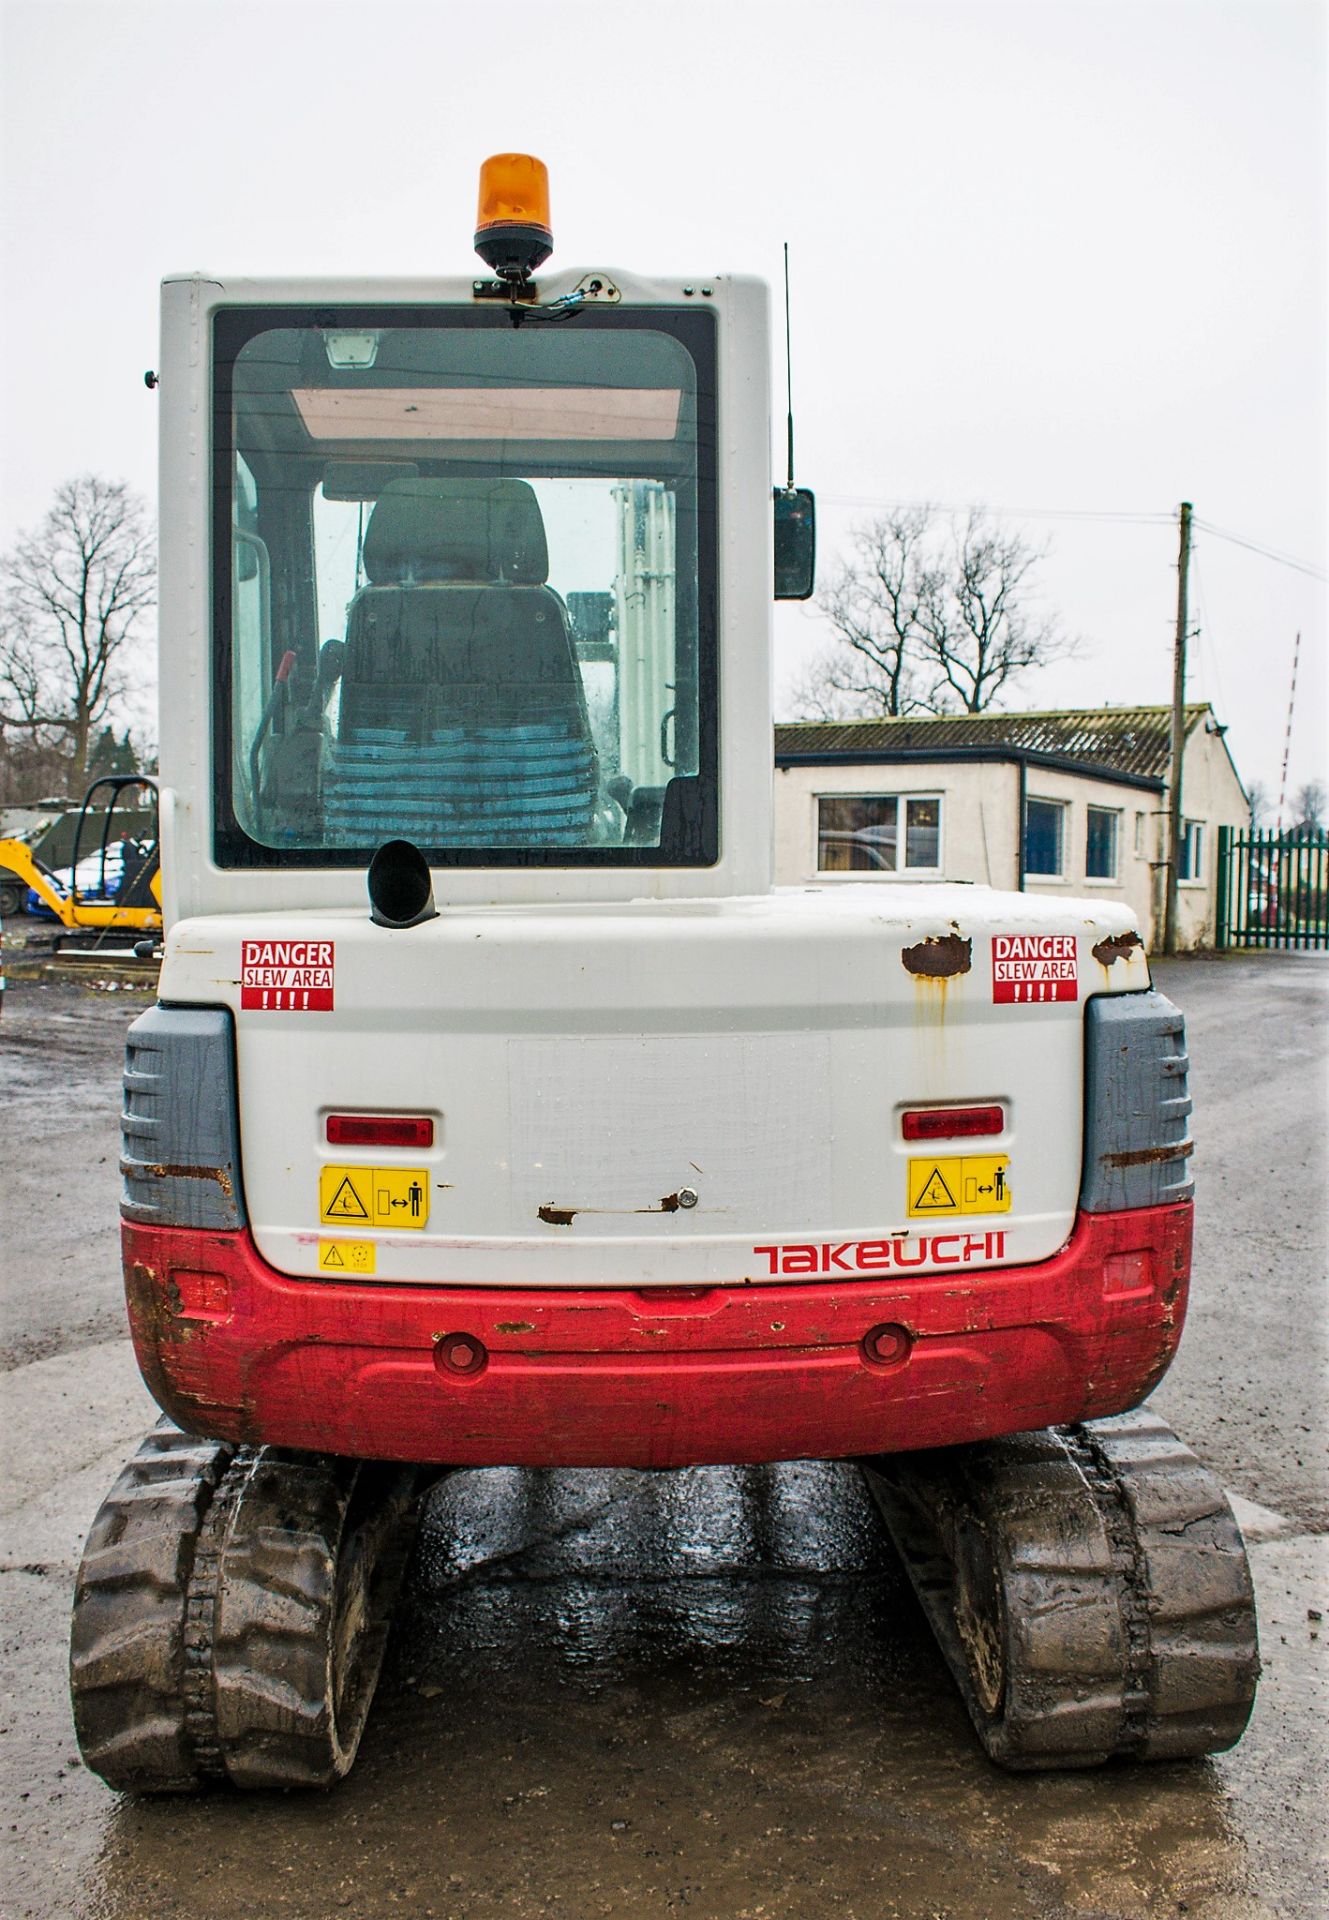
x=1171, y=927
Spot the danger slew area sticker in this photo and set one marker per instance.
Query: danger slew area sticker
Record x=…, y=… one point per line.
x=286, y=976
x=1034, y=967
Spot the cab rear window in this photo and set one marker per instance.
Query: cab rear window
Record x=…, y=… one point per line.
x=464, y=588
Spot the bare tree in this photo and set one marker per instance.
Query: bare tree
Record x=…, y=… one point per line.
x=928, y=616
x=75, y=593
x=874, y=604
x=819, y=691
x=980, y=627
x=1308, y=809
x=1259, y=803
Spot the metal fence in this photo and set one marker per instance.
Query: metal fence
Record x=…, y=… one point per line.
x=1273, y=890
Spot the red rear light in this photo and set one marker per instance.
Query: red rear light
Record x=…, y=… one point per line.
x=952, y=1123
x=379, y=1130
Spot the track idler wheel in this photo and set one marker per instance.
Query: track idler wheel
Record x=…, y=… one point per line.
x=1088, y=1587
x=231, y=1614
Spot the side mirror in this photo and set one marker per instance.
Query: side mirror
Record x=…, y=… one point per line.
x=795, y=543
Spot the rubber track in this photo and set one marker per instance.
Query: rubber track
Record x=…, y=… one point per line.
x=1195, y=1582
x=1112, y=1612
x=200, y=1620
x=313, y=1565
x=231, y=1614
x=127, y=1641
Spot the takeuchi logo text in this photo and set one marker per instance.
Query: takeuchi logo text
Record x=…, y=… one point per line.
x=874, y=1256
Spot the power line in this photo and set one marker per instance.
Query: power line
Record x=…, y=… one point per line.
x=1270, y=553
x=1206, y=634
x=1109, y=517
x=1003, y=513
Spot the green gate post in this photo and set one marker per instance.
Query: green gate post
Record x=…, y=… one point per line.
x=1221, y=916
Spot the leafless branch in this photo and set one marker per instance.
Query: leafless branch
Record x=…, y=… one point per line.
x=873, y=605
x=74, y=594
x=929, y=617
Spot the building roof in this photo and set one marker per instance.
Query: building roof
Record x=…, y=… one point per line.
x=1130, y=741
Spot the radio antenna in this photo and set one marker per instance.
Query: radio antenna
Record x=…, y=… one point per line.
x=788, y=372
x=1287, y=738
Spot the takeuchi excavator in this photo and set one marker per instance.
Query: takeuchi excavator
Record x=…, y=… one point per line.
x=496, y=1107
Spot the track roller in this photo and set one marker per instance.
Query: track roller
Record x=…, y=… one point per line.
x=231, y=1613
x=1088, y=1587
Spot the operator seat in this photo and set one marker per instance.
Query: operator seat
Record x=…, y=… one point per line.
x=462, y=721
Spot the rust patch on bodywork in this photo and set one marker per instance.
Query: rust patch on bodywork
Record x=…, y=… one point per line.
x=564, y=1216
x=514, y=1326
x=1149, y=1156
x=154, y=1327
x=939, y=957
x=157, y=1313
x=160, y=1170
x=149, y=1314
x=1119, y=947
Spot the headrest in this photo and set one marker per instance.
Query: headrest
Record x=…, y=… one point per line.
x=457, y=529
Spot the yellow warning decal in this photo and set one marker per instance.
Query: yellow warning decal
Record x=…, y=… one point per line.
x=972, y=1183
x=374, y=1197
x=346, y=1256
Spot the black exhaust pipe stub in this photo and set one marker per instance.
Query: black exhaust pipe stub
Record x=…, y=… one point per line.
x=401, y=889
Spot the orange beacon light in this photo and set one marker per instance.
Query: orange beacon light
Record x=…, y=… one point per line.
x=512, y=233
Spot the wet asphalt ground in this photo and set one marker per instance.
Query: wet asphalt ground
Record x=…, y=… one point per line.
x=706, y=1692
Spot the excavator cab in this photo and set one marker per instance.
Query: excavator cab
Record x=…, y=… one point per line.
x=117, y=836
x=498, y=1109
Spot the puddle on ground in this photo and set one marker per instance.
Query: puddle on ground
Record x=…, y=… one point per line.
x=706, y=1691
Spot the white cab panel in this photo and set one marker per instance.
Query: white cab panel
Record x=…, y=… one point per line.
x=595, y=1061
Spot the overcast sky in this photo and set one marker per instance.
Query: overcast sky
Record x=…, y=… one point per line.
x=1065, y=259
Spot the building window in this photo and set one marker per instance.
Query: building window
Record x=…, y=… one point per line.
x=1191, y=864
x=1045, y=837
x=879, y=833
x=922, y=833
x=1100, y=855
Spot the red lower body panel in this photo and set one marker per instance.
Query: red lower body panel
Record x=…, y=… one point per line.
x=482, y=1376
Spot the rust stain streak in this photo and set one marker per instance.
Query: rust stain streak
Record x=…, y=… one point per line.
x=557, y=1216
x=1120, y=947
x=1149, y=1156
x=939, y=957
x=160, y=1170
x=564, y=1216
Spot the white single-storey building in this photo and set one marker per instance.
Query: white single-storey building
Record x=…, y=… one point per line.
x=1072, y=802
